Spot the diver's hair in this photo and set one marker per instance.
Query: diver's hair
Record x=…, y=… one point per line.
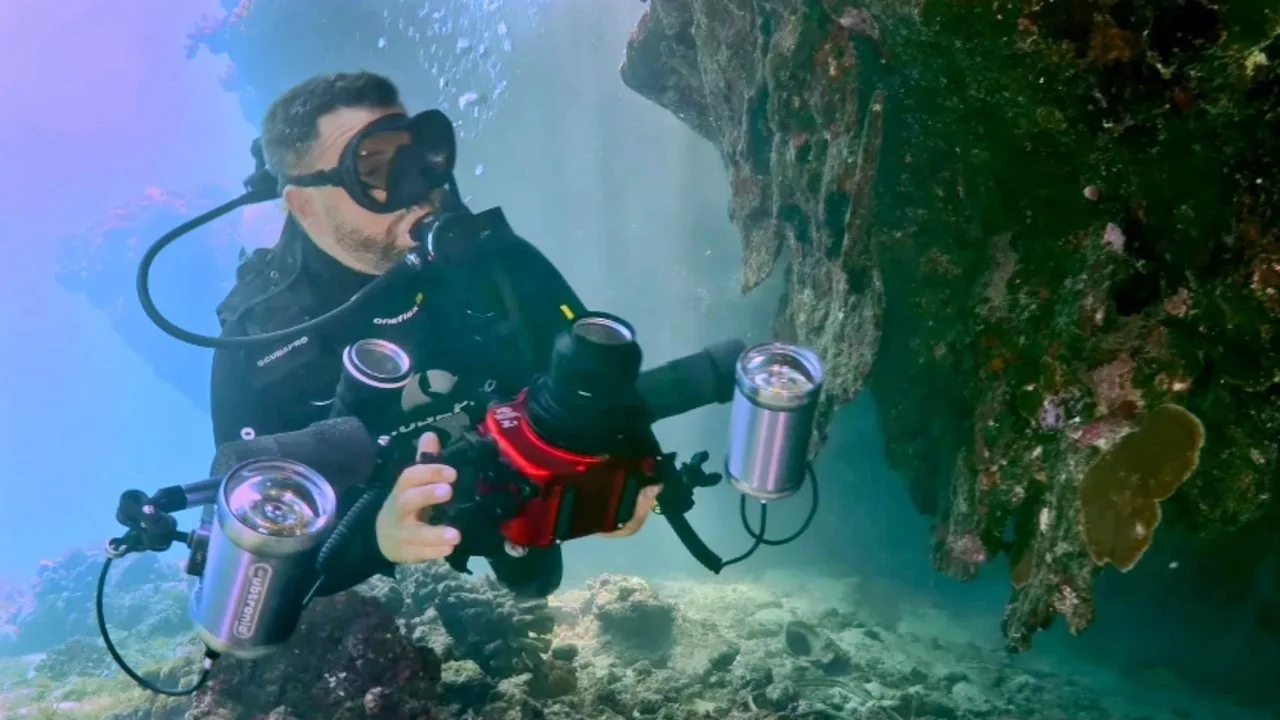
x=292, y=124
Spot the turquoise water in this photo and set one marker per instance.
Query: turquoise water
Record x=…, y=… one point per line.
x=630, y=204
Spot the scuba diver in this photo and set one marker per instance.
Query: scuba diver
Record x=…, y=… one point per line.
x=391, y=328
x=332, y=143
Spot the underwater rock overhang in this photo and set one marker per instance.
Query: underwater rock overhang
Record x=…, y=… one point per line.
x=1070, y=267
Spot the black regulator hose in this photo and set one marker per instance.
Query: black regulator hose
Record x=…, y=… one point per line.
x=206, y=664
x=208, y=341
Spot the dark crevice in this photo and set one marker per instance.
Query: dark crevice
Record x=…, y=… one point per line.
x=835, y=220
x=1135, y=293
x=793, y=215
x=1141, y=289
x=1186, y=32
x=759, y=140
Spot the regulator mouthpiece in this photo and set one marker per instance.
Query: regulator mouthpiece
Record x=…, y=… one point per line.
x=774, y=401
x=374, y=374
x=269, y=517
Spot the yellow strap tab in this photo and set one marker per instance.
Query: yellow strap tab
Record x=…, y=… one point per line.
x=568, y=314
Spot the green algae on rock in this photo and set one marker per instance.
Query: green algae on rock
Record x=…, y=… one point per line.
x=1020, y=224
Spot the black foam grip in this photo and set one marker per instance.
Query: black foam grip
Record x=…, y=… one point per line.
x=689, y=538
x=341, y=450
x=691, y=382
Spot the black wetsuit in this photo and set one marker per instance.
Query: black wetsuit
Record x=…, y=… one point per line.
x=466, y=343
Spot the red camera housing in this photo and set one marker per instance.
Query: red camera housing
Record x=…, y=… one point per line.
x=576, y=495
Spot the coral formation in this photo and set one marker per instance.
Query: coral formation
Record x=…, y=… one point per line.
x=631, y=615
x=502, y=634
x=143, y=594
x=1021, y=225
x=1121, y=493
x=349, y=661
x=73, y=658
x=101, y=262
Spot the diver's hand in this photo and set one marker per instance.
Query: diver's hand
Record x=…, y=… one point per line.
x=644, y=505
x=403, y=536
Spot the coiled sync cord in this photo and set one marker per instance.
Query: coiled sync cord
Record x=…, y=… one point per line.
x=205, y=665
x=758, y=537
x=340, y=534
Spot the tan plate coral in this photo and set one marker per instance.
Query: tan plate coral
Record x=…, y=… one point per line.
x=1120, y=495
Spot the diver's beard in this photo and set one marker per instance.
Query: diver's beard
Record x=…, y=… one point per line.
x=377, y=255
x=374, y=254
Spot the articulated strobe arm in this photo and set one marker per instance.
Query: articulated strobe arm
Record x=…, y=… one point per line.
x=151, y=527
x=150, y=524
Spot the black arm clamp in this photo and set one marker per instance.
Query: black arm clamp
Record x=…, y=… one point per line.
x=150, y=526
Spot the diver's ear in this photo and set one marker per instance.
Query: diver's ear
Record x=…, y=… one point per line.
x=302, y=205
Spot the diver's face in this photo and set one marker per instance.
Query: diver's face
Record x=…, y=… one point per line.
x=365, y=241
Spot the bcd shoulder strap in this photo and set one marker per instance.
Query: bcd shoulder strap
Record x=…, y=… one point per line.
x=263, y=275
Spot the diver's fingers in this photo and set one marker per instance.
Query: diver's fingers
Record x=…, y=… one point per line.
x=644, y=505
x=416, y=476
x=422, y=553
x=423, y=535
x=417, y=501
x=428, y=444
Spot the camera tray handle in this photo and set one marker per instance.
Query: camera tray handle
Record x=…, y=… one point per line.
x=676, y=499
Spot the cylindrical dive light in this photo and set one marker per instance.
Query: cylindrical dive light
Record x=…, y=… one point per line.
x=374, y=374
x=774, y=400
x=270, y=517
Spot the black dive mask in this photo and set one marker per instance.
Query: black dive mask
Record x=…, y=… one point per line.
x=393, y=163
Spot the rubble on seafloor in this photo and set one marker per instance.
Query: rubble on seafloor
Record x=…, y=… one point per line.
x=435, y=644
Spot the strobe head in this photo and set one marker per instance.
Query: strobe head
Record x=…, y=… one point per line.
x=776, y=388
x=270, y=517
x=584, y=403
x=374, y=374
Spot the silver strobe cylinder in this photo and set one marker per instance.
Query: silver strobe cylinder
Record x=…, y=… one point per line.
x=270, y=516
x=776, y=387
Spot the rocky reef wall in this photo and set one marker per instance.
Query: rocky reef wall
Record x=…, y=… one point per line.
x=1044, y=234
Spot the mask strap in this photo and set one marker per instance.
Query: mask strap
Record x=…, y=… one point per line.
x=263, y=185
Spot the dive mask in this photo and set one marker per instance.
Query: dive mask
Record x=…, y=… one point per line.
x=393, y=163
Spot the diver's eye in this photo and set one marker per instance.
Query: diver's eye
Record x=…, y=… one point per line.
x=374, y=173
